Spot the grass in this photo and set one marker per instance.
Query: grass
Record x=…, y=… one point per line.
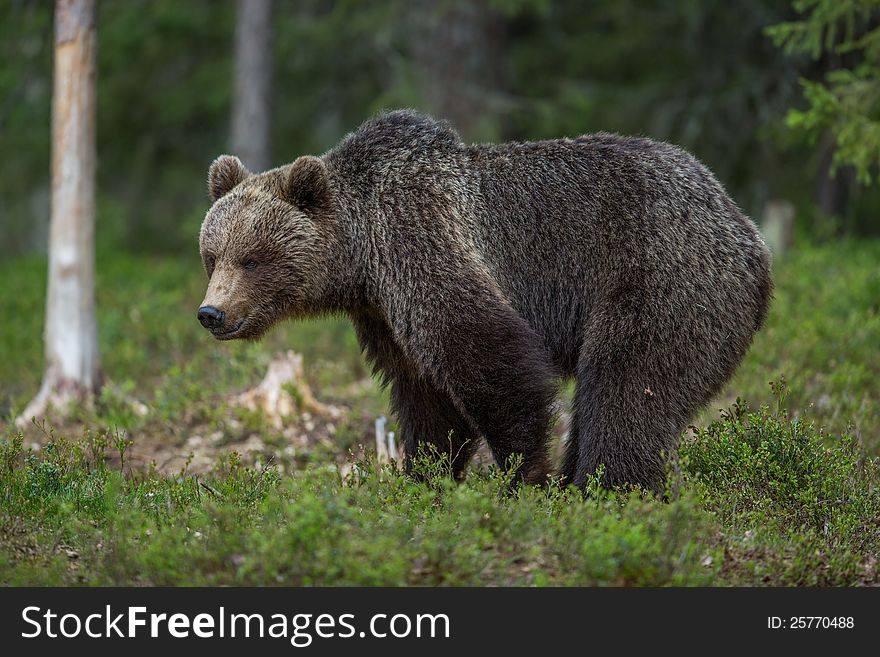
x=786, y=494
x=760, y=499
x=822, y=334
x=792, y=506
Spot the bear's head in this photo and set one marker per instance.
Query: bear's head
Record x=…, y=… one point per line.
x=266, y=244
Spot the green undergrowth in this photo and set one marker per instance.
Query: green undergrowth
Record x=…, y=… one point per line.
x=823, y=334
x=793, y=505
x=759, y=498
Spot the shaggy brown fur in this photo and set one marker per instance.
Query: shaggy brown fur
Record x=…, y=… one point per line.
x=478, y=275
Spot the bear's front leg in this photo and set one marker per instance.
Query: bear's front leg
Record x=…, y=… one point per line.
x=426, y=416
x=430, y=422
x=499, y=375
x=474, y=347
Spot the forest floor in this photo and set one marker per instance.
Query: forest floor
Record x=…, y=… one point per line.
x=167, y=479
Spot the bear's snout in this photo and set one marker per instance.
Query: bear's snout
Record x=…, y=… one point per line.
x=211, y=318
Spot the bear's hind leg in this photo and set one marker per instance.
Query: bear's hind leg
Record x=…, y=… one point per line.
x=644, y=369
x=627, y=420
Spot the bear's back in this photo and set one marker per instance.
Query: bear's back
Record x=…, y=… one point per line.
x=389, y=138
x=569, y=224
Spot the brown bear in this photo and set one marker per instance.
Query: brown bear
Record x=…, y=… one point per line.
x=478, y=276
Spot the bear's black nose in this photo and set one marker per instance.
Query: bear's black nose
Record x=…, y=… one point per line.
x=210, y=317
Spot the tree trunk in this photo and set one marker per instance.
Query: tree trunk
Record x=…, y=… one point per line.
x=253, y=84
x=457, y=47
x=72, y=367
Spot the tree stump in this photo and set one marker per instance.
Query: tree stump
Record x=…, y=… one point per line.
x=284, y=392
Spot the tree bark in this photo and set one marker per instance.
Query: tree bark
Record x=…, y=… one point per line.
x=251, y=110
x=72, y=366
x=457, y=47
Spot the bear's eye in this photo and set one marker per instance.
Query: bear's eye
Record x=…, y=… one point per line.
x=210, y=262
x=250, y=265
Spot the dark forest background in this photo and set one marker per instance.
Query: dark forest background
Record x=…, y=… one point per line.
x=704, y=74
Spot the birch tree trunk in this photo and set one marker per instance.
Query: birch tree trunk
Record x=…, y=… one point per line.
x=252, y=100
x=72, y=366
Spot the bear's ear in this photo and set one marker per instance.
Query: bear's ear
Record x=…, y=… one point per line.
x=307, y=185
x=225, y=173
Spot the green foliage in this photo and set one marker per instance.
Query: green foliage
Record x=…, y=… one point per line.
x=822, y=334
x=847, y=102
x=798, y=507
x=762, y=500
x=25, y=105
x=372, y=528
x=767, y=464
